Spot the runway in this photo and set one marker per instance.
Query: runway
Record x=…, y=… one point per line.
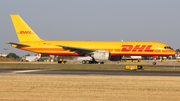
x=89, y=72
x=177, y=65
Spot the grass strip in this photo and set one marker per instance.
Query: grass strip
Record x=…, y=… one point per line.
x=88, y=88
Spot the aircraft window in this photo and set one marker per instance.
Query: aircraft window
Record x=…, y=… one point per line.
x=167, y=47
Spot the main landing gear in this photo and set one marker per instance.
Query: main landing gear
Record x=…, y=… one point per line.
x=91, y=62
x=154, y=63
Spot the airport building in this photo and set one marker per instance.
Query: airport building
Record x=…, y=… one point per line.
x=3, y=55
x=177, y=54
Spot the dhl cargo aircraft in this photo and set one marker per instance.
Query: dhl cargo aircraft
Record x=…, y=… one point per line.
x=99, y=51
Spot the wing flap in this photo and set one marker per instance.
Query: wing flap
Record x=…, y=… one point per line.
x=77, y=49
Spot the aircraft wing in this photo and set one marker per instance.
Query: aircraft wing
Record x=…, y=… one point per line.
x=77, y=49
x=21, y=45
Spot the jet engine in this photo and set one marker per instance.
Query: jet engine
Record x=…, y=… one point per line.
x=101, y=55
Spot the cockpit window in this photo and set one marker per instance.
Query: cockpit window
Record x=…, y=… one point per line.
x=167, y=47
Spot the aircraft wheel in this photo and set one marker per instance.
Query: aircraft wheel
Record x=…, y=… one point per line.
x=101, y=62
x=83, y=62
x=87, y=62
x=154, y=63
x=93, y=62
x=96, y=62
x=90, y=62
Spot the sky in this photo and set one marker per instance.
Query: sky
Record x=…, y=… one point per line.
x=96, y=20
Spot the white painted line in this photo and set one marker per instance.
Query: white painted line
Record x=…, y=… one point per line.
x=25, y=71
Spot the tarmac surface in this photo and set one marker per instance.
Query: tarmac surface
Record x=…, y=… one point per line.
x=89, y=72
x=93, y=72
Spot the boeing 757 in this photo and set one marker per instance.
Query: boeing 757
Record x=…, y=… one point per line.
x=98, y=51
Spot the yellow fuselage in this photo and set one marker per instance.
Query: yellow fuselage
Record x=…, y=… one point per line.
x=116, y=48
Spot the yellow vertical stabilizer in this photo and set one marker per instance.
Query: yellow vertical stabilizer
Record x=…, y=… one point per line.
x=24, y=32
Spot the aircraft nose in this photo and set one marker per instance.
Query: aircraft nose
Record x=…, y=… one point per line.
x=174, y=52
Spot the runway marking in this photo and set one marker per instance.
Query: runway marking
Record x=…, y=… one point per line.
x=25, y=71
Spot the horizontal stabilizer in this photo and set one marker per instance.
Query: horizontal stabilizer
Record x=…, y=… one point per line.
x=21, y=45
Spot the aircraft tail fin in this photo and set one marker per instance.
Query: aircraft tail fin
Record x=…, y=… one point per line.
x=24, y=32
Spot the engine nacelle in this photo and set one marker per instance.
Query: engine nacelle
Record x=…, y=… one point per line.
x=101, y=55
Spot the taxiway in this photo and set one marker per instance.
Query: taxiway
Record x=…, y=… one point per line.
x=89, y=72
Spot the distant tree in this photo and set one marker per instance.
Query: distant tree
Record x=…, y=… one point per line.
x=2, y=57
x=177, y=50
x=27, y=55
x=12, y=55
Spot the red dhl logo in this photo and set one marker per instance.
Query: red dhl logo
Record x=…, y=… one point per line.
x=137, y=48
x=25, y=32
